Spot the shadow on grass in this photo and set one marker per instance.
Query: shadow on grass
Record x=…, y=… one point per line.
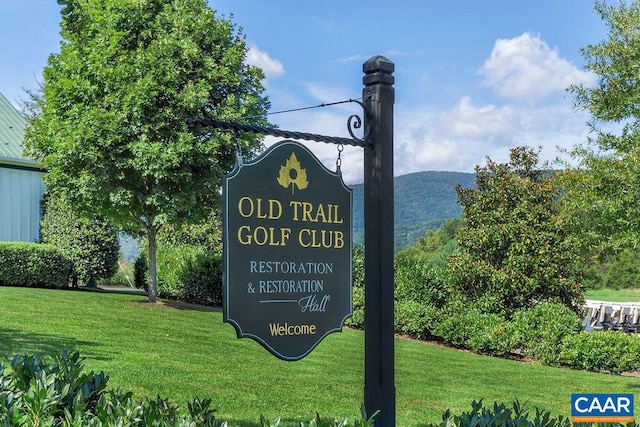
x=634, y=385
x=111, y=290
x=195, y=307
x=13, y=341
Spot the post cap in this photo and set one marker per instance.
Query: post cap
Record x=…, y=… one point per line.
x=378, y=70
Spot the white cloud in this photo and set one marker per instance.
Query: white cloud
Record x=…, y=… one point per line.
x=455, y=139
x=467, y=121
x=271, y=67
x=352, y=58
x=526, y=68
x=463, y=136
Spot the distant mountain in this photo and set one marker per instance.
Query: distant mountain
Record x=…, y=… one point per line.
x=422, y=201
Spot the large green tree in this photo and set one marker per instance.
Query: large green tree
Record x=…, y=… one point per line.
x=603, y=190
x=111, y=130
x=513, y=251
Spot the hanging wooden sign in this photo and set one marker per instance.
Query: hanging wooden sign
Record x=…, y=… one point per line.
x=287, y=236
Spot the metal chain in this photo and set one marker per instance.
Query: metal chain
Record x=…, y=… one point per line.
x=339, y=159
x=239, y=158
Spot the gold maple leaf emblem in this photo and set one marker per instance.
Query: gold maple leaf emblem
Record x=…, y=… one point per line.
x=291, y=174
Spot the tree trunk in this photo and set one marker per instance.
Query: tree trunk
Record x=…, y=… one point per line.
x=152, y=233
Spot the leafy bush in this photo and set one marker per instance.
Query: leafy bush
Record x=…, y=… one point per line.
x=171, y=262
x=202, y=278
x=91, y=244
x=39, y=391
x=123, y=277
x=434, y=248
x=415, y=319
x=189, y=273
x=539, y=331
x=357, y=318
x=416, y=281
x=601, y=351
x=140, y=270
x=358, y=267
x=624, y=270
x=418, y=291
x=513, y=249
x=33, y=264
x=500, y=415
x=466, y=326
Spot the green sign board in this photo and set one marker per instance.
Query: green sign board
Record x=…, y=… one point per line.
x=287, y=250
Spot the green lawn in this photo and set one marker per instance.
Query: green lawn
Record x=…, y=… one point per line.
x=182, y=351
x=612, y=295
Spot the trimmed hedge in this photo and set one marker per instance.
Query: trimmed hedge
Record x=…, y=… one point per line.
x=601, y=351
x=90, y=243
x=33, y=264
x=189, y=273
x=414, y=319
x=468, y=327
x=540, y=330
x=202, y=280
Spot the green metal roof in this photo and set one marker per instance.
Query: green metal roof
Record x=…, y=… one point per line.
x=12, y=126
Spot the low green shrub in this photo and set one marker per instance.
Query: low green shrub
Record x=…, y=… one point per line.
x=416, y=281
x=140, y=271
x=38, y=391
x=33, y=264
x=357, y=318
x=189, y=273
x=123, y=277
x=468, y=327
x=415, y=319
x=90, y=243
x=202, y=279
x=517, y=415
x=540, y=330
x=171, y=262
x=601, y=351
x=46, y=392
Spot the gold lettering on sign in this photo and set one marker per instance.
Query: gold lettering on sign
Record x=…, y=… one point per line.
x=279, y=329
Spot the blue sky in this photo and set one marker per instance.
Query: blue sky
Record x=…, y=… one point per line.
x=473, y=78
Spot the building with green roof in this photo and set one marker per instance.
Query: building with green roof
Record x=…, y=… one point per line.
x=21, y=186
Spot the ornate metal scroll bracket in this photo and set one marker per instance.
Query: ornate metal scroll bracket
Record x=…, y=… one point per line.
x=353, y=122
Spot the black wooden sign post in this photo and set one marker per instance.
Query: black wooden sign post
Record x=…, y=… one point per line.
x=379, y=384
x=378, y=99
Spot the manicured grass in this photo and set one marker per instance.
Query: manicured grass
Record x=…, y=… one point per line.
x=180, y=351
x=612, y=295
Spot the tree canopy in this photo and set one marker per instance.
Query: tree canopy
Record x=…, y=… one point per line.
x=111, y=128
x=603, y=191
x=512, y=249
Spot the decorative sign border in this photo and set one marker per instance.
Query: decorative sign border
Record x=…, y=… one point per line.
x=287, y=263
